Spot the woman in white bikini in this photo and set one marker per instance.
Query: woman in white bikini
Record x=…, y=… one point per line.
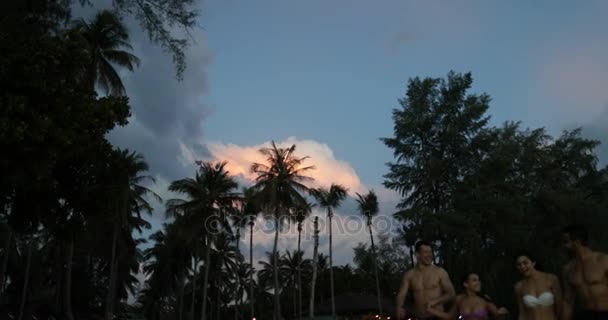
x=538, y=294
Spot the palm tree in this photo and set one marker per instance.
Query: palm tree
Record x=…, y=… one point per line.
x=166, y=269
x=208, y=193
x=266, y=276
x=251, y=299
x=368, y=207
x=279, y=183
x=330, y=200
x=311, y=302
x=322, y=271
x=7, y=232
x=106, y=35
x=130, y=198
x=299, y=215
x=244, y=274
x=290, y=265
x=248, y=211
x=225, y=257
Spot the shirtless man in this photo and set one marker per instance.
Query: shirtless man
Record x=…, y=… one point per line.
x=430, y=284
x=586, y=275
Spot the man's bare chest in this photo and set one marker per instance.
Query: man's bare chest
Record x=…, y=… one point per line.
x=588, y=273
x=424, y=281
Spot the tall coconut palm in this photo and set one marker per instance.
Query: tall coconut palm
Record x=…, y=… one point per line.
x=279, y=182
x=299, y=215
x=311, y=302
x=106, y=37
x=289, y=266
x=330, y=199
x=368, y=207
x=244, y=274
x=129, y=203
x=267, y=273
x=8, y=234
x=322, y=271
x=225, y=257
x=166, y=269
x=208, y=193
x=246, y=214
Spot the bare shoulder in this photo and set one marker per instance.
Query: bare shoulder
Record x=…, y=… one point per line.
x=459, y=298
x=551, y=277
x=408, y=274
x=440, y=271
x=602, y=258
x=553, y=280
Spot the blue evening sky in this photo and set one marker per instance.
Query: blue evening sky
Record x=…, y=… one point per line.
x=332, y=70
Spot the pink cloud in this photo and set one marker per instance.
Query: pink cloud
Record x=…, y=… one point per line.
x=327, y=170
x=574, y=75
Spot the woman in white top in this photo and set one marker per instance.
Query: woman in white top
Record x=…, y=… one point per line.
x=538, y=294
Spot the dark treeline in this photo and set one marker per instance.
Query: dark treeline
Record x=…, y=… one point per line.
x=73, y=205
x=484, y=193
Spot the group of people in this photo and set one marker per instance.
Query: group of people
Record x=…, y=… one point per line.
x=540, y=295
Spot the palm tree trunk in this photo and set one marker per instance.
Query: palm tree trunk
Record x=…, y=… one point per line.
x=59, y=263
x=194, y=274
x=237, y=300
x=67, y=299
x=206, y=277
x=242, y=295
x=331, y=269
x=182, y=284
x=277, y=298
x=299, y=308
x=311, y=302
x=240, y=284
x=5, y=259
x=92, y=78
x=251, y=265
x=294, y=293
x=28, y=264
x=411, y=257
x=378, y=292
x=218, y=292
x=112, y=285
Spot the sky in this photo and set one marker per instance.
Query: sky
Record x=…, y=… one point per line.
x=326, y=74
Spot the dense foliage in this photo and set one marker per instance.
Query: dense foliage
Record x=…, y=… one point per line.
x=73, y=205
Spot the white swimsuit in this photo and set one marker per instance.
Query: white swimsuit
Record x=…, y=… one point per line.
x=544, y=299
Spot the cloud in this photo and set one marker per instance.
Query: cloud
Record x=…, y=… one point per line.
x=166, y=113
x=398, y=40
x=347, y=232
x=327, y=170
x=574, y=76
x=349, y=228
x=598, y=130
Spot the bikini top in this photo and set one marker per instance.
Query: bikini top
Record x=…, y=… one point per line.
x=479, y=314
x=544, y=299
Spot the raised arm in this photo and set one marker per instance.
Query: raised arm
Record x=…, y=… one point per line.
x=568, y=297
x=447, y=289
x=405, y=284
x=494, y=311
x=452, y=314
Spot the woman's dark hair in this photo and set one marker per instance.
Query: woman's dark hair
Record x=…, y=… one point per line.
x=529, y=255
x=466, y=277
